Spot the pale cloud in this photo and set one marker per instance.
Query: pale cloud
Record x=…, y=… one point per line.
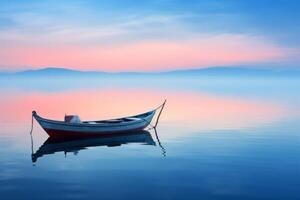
x=75, y=35
x=36, y=29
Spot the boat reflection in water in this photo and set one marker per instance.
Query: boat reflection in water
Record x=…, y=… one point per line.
x=75, y=144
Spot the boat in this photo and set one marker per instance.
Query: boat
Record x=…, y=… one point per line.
x=75, y=144
x=73, y=126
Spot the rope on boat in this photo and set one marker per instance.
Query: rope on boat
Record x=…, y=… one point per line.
x=154, y=127
x=162, y=107
x=156, y=122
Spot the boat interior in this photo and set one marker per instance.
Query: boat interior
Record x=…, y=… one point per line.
x=112, y=121
x=120, y=120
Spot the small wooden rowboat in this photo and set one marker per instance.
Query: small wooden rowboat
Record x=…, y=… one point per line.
x=101, y=127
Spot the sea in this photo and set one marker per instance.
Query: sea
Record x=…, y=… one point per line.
x=217, y=138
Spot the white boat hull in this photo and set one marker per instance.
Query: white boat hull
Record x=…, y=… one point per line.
x=89, y=128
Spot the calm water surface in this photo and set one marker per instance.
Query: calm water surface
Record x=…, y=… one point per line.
x=217, y=139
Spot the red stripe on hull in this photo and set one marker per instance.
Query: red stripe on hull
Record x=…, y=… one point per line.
x=56, y=133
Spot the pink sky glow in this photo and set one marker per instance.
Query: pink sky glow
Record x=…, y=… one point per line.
x=145, y=55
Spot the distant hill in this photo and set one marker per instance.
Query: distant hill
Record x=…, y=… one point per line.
x=234, y=71
x=212, y=71
x=53, y=71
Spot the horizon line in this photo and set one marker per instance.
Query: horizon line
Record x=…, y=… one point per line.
x=248, y=67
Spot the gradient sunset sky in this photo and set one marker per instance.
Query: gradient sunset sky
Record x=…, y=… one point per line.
x=142, y=35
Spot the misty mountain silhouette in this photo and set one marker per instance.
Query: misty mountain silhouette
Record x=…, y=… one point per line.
x=55, y=71
x=212, y=71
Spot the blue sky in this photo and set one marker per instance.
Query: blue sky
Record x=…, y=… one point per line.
x=96, y=26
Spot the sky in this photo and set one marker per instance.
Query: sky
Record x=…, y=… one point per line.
x=156, y=35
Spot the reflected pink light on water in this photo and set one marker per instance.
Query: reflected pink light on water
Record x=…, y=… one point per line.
x=194, y=110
